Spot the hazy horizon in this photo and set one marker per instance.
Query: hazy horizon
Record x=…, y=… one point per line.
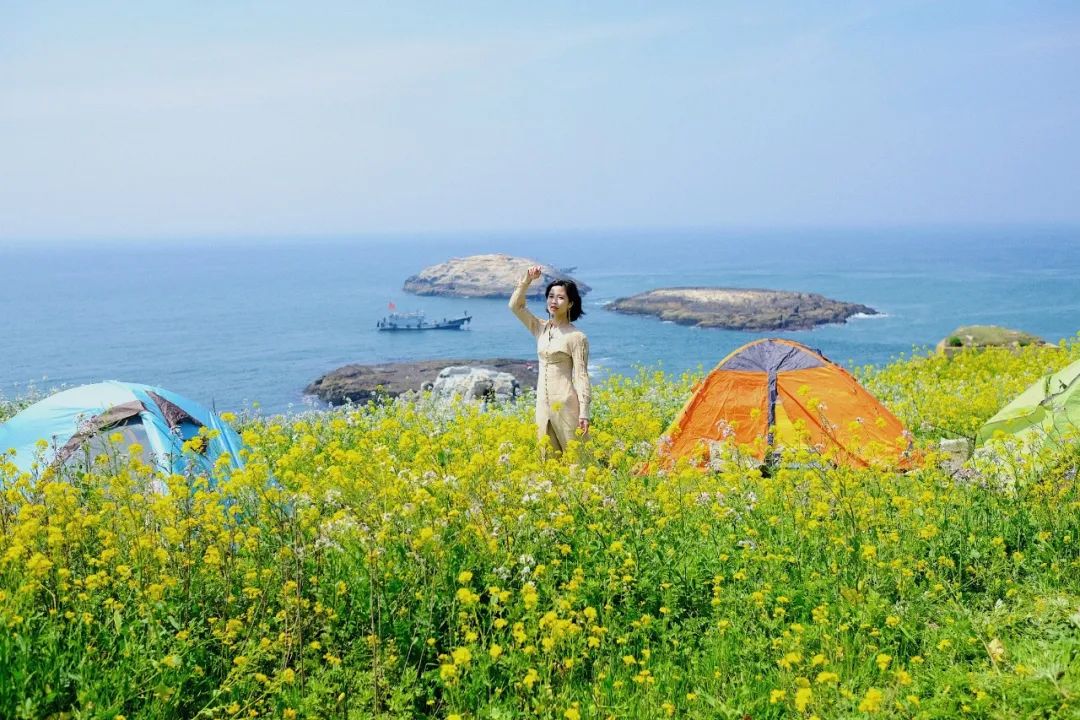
x=933, y=233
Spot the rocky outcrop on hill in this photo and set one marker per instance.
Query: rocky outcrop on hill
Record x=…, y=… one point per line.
x=473, y=384
x=363, y=383
x=484, y=276
x=969, y=337
x=740, y=309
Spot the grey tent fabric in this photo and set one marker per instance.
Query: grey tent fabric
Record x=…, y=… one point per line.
x=173, y=413
x=772, y=358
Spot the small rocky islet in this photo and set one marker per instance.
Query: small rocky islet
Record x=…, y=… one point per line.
x=493, y=275
x=740, y=308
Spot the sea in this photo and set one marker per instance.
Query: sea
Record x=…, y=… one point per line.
x=245, y=324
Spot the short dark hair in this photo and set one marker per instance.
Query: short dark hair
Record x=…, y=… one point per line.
x=572, y=295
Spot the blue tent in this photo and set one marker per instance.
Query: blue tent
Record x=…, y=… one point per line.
x=78, y=423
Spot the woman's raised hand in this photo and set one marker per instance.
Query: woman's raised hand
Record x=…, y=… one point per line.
x=533, y=273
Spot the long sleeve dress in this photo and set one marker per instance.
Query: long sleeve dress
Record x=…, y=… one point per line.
x=562, y=391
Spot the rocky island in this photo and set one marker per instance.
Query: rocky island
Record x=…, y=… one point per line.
x=484, y=276
x=740, y=309
x=363, y=383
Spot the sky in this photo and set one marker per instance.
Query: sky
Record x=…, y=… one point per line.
x=213, y=119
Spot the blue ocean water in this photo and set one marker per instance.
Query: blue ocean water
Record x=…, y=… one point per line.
x=237, y=322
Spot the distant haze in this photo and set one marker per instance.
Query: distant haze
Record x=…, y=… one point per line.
x=188, y=119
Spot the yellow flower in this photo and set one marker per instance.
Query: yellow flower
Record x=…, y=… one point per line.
x=462, y=656
x=464, y=577
x=38, y=564
x=803, y=696
x=467, y=597
x=790, y=660
x=871, y=701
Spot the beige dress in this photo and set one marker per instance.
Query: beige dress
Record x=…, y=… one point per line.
x=562, y=389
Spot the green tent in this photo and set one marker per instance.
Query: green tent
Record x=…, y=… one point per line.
x=1048, y=409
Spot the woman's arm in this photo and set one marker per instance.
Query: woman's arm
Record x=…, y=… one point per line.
x=517, y=306
x=579, y=351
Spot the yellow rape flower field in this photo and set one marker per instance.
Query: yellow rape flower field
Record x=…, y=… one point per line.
x=409, y=560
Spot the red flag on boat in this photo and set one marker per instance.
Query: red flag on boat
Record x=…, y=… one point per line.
x=391, y=306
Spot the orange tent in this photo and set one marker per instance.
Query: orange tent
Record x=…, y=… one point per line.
x=776, y=392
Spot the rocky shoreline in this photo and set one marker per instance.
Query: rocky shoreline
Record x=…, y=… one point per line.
x=740, y=309
x=484, y=276
x=363, y=383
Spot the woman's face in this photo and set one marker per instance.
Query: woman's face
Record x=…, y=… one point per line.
x=558, y=303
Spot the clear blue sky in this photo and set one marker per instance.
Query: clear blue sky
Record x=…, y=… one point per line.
x=209, y=118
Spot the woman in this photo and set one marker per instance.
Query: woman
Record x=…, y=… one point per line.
x=562, y=391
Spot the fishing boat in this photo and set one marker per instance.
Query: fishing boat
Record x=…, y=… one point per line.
x=403, y=321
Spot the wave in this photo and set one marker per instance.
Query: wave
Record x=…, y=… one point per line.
x=600, y=362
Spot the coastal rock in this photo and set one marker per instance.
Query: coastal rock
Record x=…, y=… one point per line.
x=740, y=309
x=473, y=384
x=970, y=337
x=484, y=276
x=363, y=383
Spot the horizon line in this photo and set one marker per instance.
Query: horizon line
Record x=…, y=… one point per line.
x=523, y=233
